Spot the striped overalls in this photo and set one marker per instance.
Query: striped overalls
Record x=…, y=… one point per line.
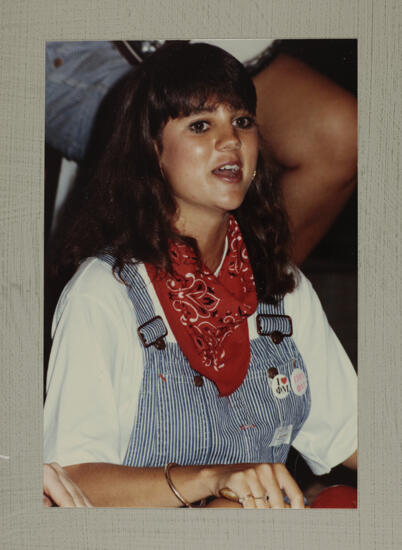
x=181, y=418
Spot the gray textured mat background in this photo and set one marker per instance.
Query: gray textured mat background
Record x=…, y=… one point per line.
x=24, y=27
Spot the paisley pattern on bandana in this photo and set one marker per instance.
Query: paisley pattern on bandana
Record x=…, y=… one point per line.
x=207, y=313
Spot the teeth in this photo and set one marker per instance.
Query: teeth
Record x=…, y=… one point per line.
x=233, y=167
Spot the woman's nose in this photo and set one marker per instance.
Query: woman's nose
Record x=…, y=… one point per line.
x=228, y=139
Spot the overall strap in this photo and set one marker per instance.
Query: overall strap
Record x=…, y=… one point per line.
x=151, y=328
x=272, y=321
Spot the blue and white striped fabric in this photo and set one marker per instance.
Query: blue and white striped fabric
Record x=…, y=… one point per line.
x=184, y=422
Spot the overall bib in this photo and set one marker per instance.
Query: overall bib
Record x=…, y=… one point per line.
x=180, y=416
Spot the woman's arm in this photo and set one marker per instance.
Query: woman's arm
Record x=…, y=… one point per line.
x=110, y=485
x=329, y=434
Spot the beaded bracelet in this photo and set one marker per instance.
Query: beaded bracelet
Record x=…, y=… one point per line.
x=176, y=492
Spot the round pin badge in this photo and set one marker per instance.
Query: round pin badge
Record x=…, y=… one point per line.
x=298, y=381
x=280, y=386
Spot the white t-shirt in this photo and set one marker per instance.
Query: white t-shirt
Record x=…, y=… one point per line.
x=95, y=373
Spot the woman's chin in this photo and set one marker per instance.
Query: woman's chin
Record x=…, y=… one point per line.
x=228, y=204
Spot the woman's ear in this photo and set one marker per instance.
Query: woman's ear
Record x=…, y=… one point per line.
x=158, y=150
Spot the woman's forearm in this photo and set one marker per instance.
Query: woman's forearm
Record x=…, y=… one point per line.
x=124, y=486
x=111, y=485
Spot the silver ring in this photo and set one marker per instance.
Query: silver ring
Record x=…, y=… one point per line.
x=265, y=498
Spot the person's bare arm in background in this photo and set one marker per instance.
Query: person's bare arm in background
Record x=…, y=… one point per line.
x=310, y=125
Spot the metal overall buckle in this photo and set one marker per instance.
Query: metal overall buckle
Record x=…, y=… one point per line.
x=276, y=335
x=159, y=341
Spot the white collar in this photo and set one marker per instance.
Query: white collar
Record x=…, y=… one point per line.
x=217, y=270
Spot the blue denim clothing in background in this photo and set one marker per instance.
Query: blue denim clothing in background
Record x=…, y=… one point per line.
x=78, y=76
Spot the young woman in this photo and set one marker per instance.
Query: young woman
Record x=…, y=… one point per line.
x=188, y=354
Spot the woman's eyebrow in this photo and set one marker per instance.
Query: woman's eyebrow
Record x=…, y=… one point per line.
x=197, y=110
x=202, y=109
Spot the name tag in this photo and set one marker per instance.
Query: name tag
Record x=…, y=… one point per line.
x=282, y=436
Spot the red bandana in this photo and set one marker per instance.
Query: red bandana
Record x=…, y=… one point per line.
x=208, y=314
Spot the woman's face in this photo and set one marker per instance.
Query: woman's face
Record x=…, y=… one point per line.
x=209, y=159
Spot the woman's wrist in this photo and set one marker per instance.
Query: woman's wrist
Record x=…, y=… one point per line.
x=193, y=483
x=174, y=489
x=208, y=479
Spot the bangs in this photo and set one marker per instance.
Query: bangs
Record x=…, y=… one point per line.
x=186, y=79
x=207, y=100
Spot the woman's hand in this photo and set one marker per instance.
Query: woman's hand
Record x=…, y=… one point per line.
x=251, y=483
x=60, y=490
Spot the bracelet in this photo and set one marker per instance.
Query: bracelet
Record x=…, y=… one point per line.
x=176, y=492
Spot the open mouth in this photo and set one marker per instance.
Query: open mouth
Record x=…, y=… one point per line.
x=229, y=172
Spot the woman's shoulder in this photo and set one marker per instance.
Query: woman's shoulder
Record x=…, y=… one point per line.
x=303, y=296
x=93, y=277
x=304, y=307
x=95, y=286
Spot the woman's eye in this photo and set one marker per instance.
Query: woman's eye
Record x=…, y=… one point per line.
x=199, y=126
x=244, y=122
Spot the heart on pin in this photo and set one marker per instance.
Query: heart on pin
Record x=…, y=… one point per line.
x=284, y=380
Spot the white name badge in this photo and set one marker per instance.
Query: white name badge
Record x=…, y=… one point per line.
x=282, y=436
x=299, y=382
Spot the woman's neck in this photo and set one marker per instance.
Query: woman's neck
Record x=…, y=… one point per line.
x=210, y=236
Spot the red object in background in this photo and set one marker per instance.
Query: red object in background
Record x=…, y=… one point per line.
x=337, y=496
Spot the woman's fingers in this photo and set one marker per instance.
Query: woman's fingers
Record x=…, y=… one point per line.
x=69, y=485
x=236, y=486
x=80, y=500
x=277, y=480
x=228, y=494
x=87, y=501
x=289, y=485
x=253, y=483
x=240, y=484
x=248, y=501
x=61, y=489
x=47, y=501
x=257, y=489
x=54, y=489
x=267, y=475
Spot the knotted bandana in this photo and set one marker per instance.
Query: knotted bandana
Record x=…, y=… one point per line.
x=207, y=313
